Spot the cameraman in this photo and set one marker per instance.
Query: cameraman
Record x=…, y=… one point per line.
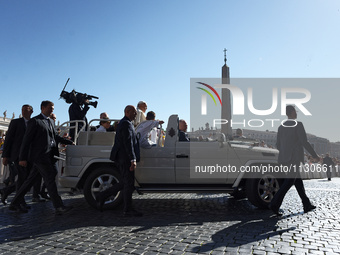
x=78, y=112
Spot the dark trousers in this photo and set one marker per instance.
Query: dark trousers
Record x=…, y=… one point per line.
x=21, y=173
x=38, y=188
x=294, y=179
x=10, y=182
x=46, y=168
x=12, y=173
x=127, y=184
x=329, y=172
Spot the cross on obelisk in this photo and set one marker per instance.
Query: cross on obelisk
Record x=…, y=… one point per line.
x=226, y=104
x=225, y=56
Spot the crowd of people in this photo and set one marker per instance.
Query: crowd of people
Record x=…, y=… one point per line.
x=31, y=149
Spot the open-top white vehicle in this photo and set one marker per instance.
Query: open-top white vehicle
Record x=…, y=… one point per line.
x=169, y=167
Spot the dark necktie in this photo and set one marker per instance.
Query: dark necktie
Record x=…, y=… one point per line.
x=49, y=125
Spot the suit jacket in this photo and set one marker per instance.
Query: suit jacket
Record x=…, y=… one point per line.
x=126, y=146
x=14, y=137
x=36, y=144
x=326, y=160
x=183, y=137
x=291, y=141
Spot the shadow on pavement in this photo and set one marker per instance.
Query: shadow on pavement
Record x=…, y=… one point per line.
x=247, y=231
x=169, y=210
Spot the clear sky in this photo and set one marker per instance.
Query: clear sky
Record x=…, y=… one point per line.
x=126, y=51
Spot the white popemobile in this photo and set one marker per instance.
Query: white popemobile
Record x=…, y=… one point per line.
x=197, y=166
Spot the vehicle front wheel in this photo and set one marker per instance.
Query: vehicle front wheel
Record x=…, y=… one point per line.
x=261, y=191
x=99, y=180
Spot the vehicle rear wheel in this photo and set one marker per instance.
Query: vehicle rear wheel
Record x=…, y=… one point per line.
x=99, y=180
x=261, y=191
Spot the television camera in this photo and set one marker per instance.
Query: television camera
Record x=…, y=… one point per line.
x=77, y=97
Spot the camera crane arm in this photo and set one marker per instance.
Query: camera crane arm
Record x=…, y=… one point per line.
x=62, y=92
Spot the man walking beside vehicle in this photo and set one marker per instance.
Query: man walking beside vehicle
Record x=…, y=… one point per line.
x=39, y=147
x=14, y=137
x=291, y=139
x=125, y=153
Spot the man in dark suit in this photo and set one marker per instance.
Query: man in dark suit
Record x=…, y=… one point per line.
x=38, y=148
x=291, y=139
x=182, y=129
x=77, y=111
x=14, y=137
x=125, y=152
x=328, y=162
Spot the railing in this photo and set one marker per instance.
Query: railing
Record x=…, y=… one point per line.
x=79, y=138
x=68, y=127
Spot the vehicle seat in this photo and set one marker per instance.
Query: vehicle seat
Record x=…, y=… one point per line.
x=97, y=138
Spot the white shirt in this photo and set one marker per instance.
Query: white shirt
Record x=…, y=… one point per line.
x=140, y=117
x=25, y=121
x=101, y=129
x=144, y=130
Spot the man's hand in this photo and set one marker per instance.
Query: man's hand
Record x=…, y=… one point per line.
x=133, y=166
x=23, y=163
x=5, y=161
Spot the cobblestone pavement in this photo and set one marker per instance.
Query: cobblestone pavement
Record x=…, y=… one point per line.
x=179, y=224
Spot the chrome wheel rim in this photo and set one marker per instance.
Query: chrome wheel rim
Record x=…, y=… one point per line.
x=102, y=183
x=267, y=187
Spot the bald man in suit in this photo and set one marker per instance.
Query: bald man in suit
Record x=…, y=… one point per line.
x=126, y=154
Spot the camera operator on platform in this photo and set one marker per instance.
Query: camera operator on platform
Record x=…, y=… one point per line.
x=78, y=112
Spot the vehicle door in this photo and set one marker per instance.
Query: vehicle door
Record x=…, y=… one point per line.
x=156, y=166
x=195, y=158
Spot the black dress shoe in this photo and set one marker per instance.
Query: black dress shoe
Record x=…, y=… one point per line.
x=277, y=211
x=309, y=208
x=132, y=213
x=37, y=200
x=18, y=208
x=45, y=195
x=3, y=196
x=63, y=209
x=100, y=202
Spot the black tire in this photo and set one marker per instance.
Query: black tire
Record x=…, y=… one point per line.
x=261, y=191
x=99, y=180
